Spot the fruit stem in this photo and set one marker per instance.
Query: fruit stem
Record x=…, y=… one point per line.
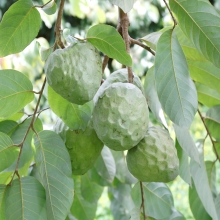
x=123, y=25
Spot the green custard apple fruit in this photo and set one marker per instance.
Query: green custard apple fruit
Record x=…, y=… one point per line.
x=121, y=116
x=75, y=72
x=84, y=147
x=154, y=159
x=120, y=75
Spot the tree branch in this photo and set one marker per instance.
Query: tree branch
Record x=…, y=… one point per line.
x=123, y=26
x=209, y=134
x=133, y=41
x=142, y=200
x=174, y=20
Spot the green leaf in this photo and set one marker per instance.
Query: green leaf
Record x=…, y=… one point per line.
x=205, y=73
x=110, y=42
x=74, y=116
x=199, y=20
x=186, y=142
x=121, y=201
x=207, y=96
x=211, y=173
x=184, y=170
x=5, y=177
x=44, y=52
x=152, y=97
x=105, y=165
x=8, y=152
x=217, y=204
x=15, y=92
x=175, y=89
x=196, y=205
x=152, y=38
x=201, y=182
x=122, y=173
x=19, y=26
x=25, y=199
x=212, y=121
x=90, y=190
x=126, y=6
x=82, y=209
x=136, y=214
x=190, y=51
x=50, y=8
x=158, y=199
x=53, y=164
x=2, y=201
x=8, y=126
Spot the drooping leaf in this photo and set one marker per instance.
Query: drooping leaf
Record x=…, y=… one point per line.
x=2, y=201
x=8, y=152
x=105, y=165
x=53, y=163
x=205, y=73
x=207, y=96
x=74, y=116
x=25, y=199
x=126, y=6
x=190, y=51
x=196, y=205
x=50, y=8
x=199, y=20
x=81, y=208
x=121, y=201
x=184, y=170
x=199, y=176
x=152, y=97
x=19, y=26
x=110, y=42
x=122, y=172
x=212, y=121
x=186, y=142
x=158, y=199
x=211, y=173
x=15, y=92
x=175, y=89
x=8, y=126
x=90, y=190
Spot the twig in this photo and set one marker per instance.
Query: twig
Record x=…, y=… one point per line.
x=142, y=199
x=133, y=41
x=209, y=134
x=174, y=20
x=123, y=25
x=104, y=63
x=58, y=29
x=31, y=126
x=42, y=6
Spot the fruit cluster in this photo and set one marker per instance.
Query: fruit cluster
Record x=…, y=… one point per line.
x=120, y=117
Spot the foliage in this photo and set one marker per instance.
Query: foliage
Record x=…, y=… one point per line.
x=180, y=84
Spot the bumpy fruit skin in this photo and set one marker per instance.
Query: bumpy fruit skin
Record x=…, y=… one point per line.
x=75, y=72
x=84, y=147
x=120, y=75
x=154, y=159
x=121, y=116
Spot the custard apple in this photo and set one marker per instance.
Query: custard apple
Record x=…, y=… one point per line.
x=75, y=72
x=121, y=116
x=154, y=159
x=120, y=75
x=84, y=146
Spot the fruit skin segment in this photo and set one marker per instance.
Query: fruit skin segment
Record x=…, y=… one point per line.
x=154, y=159
x=121, y=116
x=75, y=72
x=84, y=147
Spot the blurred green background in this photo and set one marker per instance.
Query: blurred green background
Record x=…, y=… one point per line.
x=79, y=15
